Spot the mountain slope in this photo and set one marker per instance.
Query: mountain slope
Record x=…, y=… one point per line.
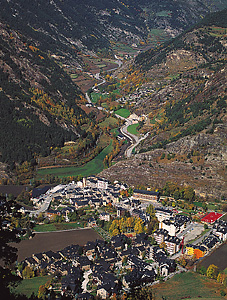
x=185, y=106
x=38, y=100
x=64, y=25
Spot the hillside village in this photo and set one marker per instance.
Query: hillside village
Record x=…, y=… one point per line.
x=109, y=267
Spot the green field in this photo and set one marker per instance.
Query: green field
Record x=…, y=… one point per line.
x=188, y=284
x=132, y=129
x=29, y=286
x=95, y=97
x=111, y=122
x=123, y=112
x=93, y=167
x=56, y=227
x=74, y=76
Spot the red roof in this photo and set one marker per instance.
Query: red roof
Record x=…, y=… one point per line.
x=211, y=217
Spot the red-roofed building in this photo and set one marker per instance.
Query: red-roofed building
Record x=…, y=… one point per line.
x=211, y=217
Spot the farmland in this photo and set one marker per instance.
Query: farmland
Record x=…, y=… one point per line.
x=54, y=241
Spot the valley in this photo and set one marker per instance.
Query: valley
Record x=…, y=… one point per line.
x=113, y=153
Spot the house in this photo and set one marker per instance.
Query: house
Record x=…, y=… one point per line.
x=199, y=251
x=38, y=257
x=95, y=202
x=144, y=195
x=102, y=184
x=37, y=192
x=210, y=241
x=91, y=222
x=84, y=263
x=159, y=235
x=84, y=296
x=104, y=216
x=189, y=249
x=163, y=214
x=172, y=244
x=104, y=291
x=90, y=248
x=220, y=229
x=80, y=204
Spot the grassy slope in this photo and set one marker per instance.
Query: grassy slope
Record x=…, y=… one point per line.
x=91, y=168
x=188, y=284
x=125, y=113
x=132, y=129
x=29, y=286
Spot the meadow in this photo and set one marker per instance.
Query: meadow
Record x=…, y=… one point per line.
x=132, y=129
x=188, y=285
x=123, y=112
x=29, y=286
x=93, y=167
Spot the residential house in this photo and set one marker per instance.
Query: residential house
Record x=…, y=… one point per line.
x=104, y=216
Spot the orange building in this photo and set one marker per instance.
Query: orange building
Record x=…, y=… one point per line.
x=199, y=252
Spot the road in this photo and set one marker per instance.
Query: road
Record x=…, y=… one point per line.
x=44, y=206
x=134, y=139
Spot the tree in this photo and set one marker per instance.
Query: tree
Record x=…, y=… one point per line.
x=152, y=225
x=150, y=210
x=212, y=271
x=8, y=254
x=28, y=272
x=42, y=292
x=139, y=227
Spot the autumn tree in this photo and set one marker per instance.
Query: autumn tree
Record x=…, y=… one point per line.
x=212, y=271
x=28, y=272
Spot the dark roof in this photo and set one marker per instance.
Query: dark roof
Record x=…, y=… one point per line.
x=146, y=192
x=40, y=191
x=84, y=296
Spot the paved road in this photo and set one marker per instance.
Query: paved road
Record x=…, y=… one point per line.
x=135, y=140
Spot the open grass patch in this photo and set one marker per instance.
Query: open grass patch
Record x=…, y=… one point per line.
x=111, y=122
x=29, y=286
x=74, y=76
x=123, y=112
x=95, y=97
x=187, y=284
x=132, y=129
x=93, y=167
x=56, y=226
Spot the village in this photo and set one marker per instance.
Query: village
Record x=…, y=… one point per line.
x=108, y=267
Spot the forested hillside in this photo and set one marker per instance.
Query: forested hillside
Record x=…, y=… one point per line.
x=69, y=25
x=38, y=100
x=184, y=102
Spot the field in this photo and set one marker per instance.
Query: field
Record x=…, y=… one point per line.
x=132, y=129
x=125, y=113
x=56, y=226
x=218, y=258
x=95, y=97
x=93, y=167
x=29, y=286
x=54, y=241
x=112, y=122
x=188, y=285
